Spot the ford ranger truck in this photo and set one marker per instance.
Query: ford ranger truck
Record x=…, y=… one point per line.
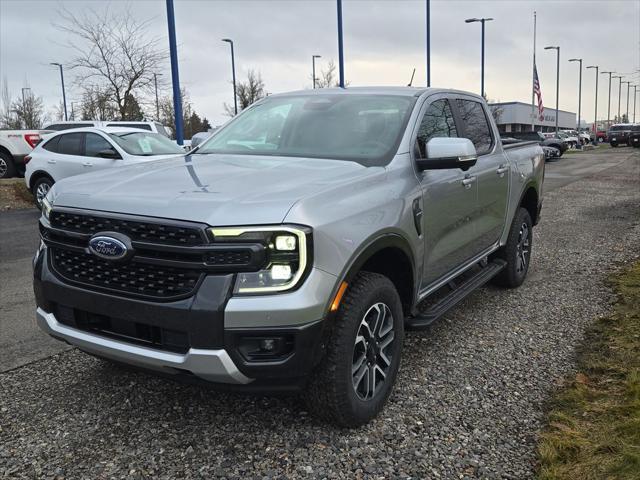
x=293, y=248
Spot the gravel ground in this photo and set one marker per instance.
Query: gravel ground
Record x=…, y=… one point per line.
x=468, y=404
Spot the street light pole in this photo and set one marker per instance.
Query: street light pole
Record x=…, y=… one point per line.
x=233, y=73
x=557, y=49
x=628, y=87
x=428, y=31
x=155, y=83
x=340, y=45
x=482, y=21
x=313, y=69
x=579, y=91
x=64, y=96
x=609, y=104
x=595, y=115
x=635, y=94
x=175, y=76
x=619, y=95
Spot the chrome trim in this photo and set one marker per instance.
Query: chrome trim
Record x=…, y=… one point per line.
x=210, y=365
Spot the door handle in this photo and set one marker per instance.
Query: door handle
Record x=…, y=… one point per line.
x=87, y=164
x=502, y=169
x=468, y=181
x=51, y=161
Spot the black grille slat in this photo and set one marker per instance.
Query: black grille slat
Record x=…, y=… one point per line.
x=156, y=281
x=140, y=231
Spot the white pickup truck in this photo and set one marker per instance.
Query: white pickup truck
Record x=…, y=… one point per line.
x=14, y=146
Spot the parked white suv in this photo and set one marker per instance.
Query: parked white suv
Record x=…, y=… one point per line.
x=82, y=150
x=142, y=125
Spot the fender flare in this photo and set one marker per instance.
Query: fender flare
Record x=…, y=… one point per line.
x=373, y=245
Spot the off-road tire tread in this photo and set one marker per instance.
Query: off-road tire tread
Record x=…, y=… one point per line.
x=507, y=277
x=323, y=395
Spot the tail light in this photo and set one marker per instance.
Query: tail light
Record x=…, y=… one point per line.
x=27, y=159
x=32, y=139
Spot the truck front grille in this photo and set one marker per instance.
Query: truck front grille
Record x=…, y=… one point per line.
x=134, y=278
x=135, y=229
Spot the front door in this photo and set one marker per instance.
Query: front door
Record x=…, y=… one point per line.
x=492, y=170
x=449, y=198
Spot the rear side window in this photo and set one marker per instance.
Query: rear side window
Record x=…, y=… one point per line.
x=476, y=125
x=437, y=121
x=141, y=126
x=94, y=144
x=52, y=145
x=70, y=144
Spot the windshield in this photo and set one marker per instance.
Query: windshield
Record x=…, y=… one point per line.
x=620, y=127
x=145, y=144
x=358, y=127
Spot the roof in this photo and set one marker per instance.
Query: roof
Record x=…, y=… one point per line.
x=399, y=91
x=528, y=105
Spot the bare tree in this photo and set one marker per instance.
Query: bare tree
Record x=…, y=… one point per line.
x=248, y=92
x=113, y=53
x=191, y=121
x=29, y=110
x=97, y=104
x=328, y=77
x=8, y=118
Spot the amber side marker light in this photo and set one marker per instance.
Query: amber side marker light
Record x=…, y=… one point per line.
x=338, y=297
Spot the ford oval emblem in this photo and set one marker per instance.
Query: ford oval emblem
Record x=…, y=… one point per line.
x=108, y=247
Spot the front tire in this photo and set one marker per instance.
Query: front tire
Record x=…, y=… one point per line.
x=354, y=379
x=517, y=251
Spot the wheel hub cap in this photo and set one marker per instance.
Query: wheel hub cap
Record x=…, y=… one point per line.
x=372, y=351
x=523, y=249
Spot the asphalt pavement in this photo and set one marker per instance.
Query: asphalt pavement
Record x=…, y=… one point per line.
x=468, y=404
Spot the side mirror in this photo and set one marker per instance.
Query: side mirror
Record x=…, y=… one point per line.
x=109, y=153
x=445, y=153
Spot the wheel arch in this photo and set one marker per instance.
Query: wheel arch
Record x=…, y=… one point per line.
x=389, y=254
x=529, y=200
x=37, y=175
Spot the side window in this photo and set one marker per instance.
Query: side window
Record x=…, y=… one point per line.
x=94, y=144
x=476, y=125
x=70, y=144
x=52, y=145
x=437, y=121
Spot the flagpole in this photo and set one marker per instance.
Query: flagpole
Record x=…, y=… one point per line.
x=533, y=94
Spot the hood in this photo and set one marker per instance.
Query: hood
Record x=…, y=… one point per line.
x=215, y=189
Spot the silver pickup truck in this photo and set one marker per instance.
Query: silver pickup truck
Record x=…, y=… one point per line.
x=292, y=249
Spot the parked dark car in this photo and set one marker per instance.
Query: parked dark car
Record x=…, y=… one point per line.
x=634, y=136
x=619, y=134
x=553, y=142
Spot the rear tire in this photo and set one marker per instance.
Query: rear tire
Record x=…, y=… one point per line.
x=354, y=379
x=40, y=189
x=7, y=168
x=517, y=251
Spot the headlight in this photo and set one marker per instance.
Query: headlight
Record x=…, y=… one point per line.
x=287, y=256
x=46, y=208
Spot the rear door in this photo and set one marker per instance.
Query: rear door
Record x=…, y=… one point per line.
x=448, y=203
x=492, y=171
x=67, y=160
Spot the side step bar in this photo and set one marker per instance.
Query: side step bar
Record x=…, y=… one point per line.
x=455, y=296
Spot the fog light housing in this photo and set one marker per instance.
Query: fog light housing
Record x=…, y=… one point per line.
x=265, y=348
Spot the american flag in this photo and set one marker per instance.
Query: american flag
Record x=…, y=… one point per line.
x=538, y=93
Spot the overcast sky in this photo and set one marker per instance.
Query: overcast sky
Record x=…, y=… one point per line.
x=384, y=41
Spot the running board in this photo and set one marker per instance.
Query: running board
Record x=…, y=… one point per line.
x=457, y=294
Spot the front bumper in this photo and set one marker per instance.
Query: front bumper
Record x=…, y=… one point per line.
x=213, y=326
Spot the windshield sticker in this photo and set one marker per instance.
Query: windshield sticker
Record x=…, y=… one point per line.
x=145, y=145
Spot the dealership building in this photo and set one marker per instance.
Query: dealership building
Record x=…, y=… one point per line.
x=516, y=117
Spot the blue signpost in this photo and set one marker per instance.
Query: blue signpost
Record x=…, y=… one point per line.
x=175, y=77
x=340, y=48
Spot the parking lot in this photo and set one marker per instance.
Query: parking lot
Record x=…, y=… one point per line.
x=470, y=396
